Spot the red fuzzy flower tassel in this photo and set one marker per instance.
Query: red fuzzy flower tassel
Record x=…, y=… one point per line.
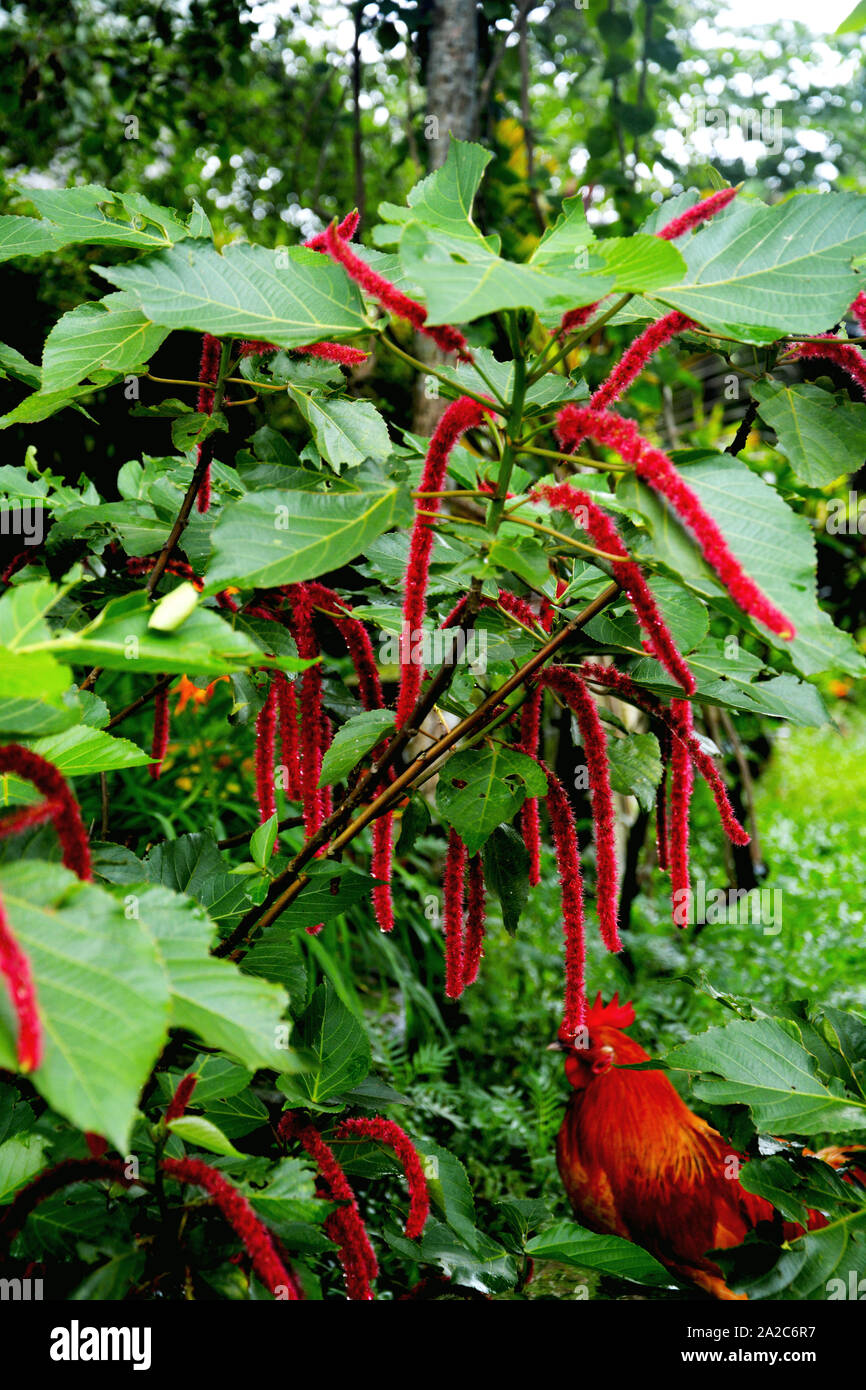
x=377, y=287
x=347, y=229
x=662, y=847
x=473, y=940
x=578, y=698
x=693, y=216
x=15, y=970
x=575, y=318
x=655, y=468
x=344, y=1226
x=266, y=730
x=530, y=732
x=682, y=782
x=237, y=1211
x=211, y=352
x=636, y=356
x=858, y=309
x=181, y=1098
x=64, y=808
x=381, y=868
x=288, y=723
x=388, y=1133
x=568, y=866
x=658, y=640
x=161, y=725
x=461, y=415
x=335, y=352
x=452, y=893
x=845, y=355
x=312, y=714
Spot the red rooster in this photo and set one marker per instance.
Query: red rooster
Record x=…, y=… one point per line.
x=636, y=1162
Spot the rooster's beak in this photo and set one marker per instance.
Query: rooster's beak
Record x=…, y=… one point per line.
x=555, y=1046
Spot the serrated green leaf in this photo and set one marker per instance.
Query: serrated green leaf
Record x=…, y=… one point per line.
x=203, y=1134
x=496, y=781
x=821, y=435
x=352, y=741
x=110, y=336
x=570, y=1244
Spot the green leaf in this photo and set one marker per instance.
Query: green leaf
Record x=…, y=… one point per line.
x=288, y=297
x=192, y=864
x=203, y=1134
x=764, y=1066
x=641, y=263
x=346, y=432
x=635, y=767
x=352, y=741
x=495, y=782
x=506, y=871
x=102, y=995
x=32, y=699
x=757, y=273
x=262, y=841
x=110, y=336
x=337, y=1047
x=821, y=435
x=855, y=21
x=270, y=538
x=83, y=750
x=90, y=213
x=570, y=1244
x=26, y=236
x=189, y=431
x=21, y=1158
x=241, y=1014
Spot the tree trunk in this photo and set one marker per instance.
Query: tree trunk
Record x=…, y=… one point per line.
x=452, y=104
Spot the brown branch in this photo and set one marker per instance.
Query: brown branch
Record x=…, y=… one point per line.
x=158, y=686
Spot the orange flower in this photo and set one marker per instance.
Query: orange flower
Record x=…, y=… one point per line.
x=193, y=694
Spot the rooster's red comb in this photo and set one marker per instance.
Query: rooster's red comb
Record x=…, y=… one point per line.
x=614, y=1014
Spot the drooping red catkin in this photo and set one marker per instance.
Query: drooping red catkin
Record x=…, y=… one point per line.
x=845, y=355
x=387, y=1132
x=658, y=639
x=181, y=1098
x=382, y=868
x=569, y=685
x=288, y=724
x=312, y=714
x=452, y=914
x=575, y=318
x=51, y=1180
x=461, y=415
x=96, y=1144
x=656, y=469
x=211, y=352
x=395, y=301
x=360, y=649
x=161, y=727
x=335, y=352
x=693, y=216
x=473, y=938
x=138, y=565
x=568, y=866
x=347, y=229
x=636, y=356
x=65, y=813
x=682, y=782
x=625, y=687
x=530, y=733
x=266, y=731
x=248, y=1227
x=15, y=970
x=26, y=818
x=344, y=1226
x=858, y=309
x=662, y=845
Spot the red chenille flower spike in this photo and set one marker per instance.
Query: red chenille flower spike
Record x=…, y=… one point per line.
x=845, y=355
x=461, y=415
x=15, y=970
x=569, y=685
x=452, y=894
x=250, y=1229
x=568, y=866
x=682, y=782
x=656, y=469
x=161, y=726
x=530, y=732
x=64, y=808
x=388, y=1133
x=181, y=1098
x=693, y=216
x=266, y=729
x=473, y=938
x=658, y=638
x=211, y=352
x=394, y=300
x=288, y=725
